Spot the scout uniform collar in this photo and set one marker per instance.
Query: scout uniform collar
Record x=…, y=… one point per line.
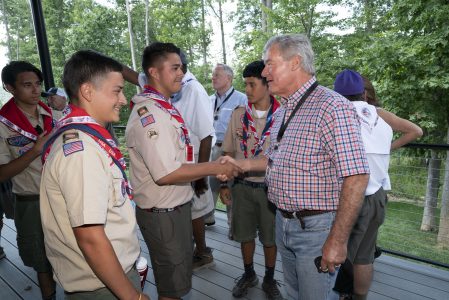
x=15, y=119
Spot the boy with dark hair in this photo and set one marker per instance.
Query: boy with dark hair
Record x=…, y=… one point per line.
x=88, y=220
x=162, y=159
x=248, y=135
x=25, y=122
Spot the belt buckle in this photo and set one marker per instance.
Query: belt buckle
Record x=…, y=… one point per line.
x=295, y=215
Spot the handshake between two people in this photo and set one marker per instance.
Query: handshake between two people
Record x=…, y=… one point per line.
x=230, y=168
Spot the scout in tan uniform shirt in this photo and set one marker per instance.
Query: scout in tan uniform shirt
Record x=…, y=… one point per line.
x=24, y=126
x=88, y=221
x=247, y=136
x=162, y=168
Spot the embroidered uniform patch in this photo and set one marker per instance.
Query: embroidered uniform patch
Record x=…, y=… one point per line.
x=366, y=112
x=141, y=111
x=147, y=120
x=24, y=150
x=18, y=141
x=72, y=147
x=152, y=134
x=69, y=136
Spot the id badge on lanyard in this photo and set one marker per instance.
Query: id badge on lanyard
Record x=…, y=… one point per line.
x=190, y=154
x=270, y=164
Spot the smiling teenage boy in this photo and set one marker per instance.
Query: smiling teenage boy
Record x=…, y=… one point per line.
x=88, y=220
x=25, y=123
x=162, y=169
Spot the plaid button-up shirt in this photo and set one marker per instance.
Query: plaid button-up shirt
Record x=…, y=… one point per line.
x=321, y=145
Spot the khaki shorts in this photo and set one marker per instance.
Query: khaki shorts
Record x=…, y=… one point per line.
x=30, y=237
x=168, y=236
x=362, y=242
x=252, y=213
x=104, y=293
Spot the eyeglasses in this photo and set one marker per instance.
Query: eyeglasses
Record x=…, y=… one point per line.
x=38, y=129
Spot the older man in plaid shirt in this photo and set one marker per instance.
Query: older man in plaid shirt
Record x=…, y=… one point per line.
x=316, y=169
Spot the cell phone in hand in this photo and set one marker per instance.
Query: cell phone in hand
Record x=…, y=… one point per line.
x=317, y=261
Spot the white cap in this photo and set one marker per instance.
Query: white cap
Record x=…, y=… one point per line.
x=54, y=91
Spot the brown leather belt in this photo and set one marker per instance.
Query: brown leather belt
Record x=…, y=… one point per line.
x=300, y=215
x=218, y=144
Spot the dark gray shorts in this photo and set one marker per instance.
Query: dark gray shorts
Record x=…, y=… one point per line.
x=252, y=213
x=362, y=242
x=30, y=237
x=7, y=200
x=168, y=236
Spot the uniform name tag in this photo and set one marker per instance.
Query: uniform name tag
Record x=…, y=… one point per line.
x=190, y=154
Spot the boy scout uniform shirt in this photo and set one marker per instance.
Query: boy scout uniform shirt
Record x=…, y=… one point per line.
x=81, y=185
x=12, y=146
x=232, y=142
x=156, y=148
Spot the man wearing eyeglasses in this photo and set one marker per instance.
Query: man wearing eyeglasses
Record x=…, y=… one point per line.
x=25, y=124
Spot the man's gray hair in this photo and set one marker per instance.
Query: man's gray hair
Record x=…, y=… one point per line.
x=226, y=68
x=291, y=45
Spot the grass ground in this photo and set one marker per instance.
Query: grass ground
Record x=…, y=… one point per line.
x=401, y=232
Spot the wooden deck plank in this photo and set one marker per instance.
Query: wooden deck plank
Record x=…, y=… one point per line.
x=18, y=281
x=421, y=274
x=6, y=292
x=394, y=278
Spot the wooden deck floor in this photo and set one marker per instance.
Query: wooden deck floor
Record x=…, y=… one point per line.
x=394, y=278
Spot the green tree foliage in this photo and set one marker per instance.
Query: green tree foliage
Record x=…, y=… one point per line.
x=21, y=40
x=408, y=57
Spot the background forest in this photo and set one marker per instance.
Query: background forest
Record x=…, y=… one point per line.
x=401, y=45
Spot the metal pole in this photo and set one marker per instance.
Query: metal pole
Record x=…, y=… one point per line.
x=42, y=44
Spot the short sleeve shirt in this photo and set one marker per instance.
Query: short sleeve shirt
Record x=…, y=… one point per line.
x=321, y=145
x=12, y=146
x=156, y=148
x=81, y=185
x=194, y=107
x=233, y=141
x=223, y=109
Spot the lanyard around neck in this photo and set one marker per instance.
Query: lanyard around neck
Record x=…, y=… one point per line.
x=226, y=99
x=295, y=110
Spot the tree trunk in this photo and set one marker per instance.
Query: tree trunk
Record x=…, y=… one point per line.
x=264, y=15
x=19, y=25
x=220, y=15
x=443, y=230
x=203, y=39
x=131, y=37
x=368, y=13
x=429, y=222
x=269, y=5
x=147, y=13
x=8, y=37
